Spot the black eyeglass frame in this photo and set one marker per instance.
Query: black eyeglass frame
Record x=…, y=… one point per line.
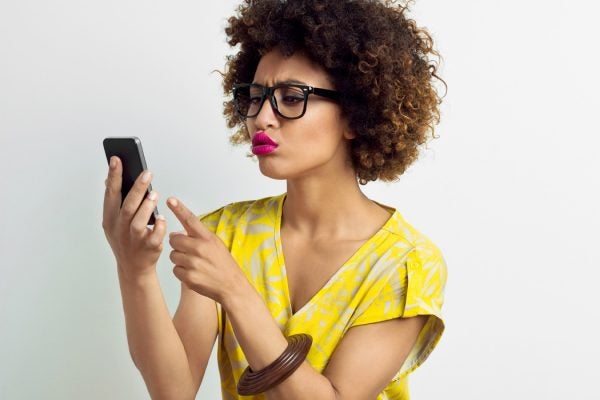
x=267, y=91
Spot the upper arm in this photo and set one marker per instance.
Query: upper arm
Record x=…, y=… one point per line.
x=372, y=354
x=196, y=322
x=395, y=330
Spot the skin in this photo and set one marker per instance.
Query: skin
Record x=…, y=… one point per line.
x=324, y=202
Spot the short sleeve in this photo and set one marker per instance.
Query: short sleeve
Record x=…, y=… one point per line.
x=211, y=219
x=414, y=288
x=385, y=297
x=426, y=282
x=224, y=221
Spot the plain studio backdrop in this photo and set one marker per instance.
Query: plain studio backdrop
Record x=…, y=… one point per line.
x=509, y=191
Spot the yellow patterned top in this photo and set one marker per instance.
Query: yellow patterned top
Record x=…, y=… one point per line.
x=398, y=272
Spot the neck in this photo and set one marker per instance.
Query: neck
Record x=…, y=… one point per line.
x=333, y=209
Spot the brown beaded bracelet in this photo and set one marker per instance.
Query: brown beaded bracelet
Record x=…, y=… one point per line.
x=273, y=374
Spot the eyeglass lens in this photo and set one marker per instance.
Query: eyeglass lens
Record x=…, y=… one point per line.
x=289, y=100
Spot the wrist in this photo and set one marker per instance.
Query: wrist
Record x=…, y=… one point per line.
x=238, y=294
x=135, y=279
x=256, y=382
x=255, y=329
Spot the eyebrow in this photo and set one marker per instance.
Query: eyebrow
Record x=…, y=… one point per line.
x=292, y=81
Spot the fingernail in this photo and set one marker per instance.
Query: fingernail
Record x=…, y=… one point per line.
x=161, y=217
x=173, y=202
x=152, y=196
x=146, y=176
x=113, y=162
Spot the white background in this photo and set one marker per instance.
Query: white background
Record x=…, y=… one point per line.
x=509, y=191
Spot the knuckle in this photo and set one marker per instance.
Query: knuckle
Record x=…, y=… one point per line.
x=136, y=229
x=174, y=238
x=140, y=186
x=126, y=214
x=111, y=190
x=112, y=177
x=127, y=211
x=195, y=250
x=140, y=179
x=154, y=243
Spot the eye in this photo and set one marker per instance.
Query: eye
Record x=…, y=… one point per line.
x=292, y=99
x=290, y=96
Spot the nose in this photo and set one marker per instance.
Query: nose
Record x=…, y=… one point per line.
x=266, y=116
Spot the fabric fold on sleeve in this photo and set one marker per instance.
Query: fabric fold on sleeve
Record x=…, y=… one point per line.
x=384, y=299
x=415, y=287
x=426, y=281
x=211, y=219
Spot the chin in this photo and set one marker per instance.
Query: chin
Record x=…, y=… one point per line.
x=271, y=172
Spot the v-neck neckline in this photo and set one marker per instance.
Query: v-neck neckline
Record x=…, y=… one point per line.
x=333, y=278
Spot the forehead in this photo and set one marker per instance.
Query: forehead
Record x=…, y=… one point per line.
x=274, y=67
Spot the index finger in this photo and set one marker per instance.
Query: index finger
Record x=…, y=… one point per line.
x=190, y=222
x=112, y=193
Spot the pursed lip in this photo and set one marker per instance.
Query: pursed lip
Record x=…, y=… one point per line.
x=261, y=138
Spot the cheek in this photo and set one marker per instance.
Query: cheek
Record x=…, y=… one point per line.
x=326, y=129
x=316, y=141
x=249, y=127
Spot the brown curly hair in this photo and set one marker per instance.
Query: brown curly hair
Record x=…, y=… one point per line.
x=377, y=57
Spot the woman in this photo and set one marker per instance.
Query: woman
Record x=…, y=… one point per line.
x=320, y=292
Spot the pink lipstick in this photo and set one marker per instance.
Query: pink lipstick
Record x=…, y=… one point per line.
x=262, y=144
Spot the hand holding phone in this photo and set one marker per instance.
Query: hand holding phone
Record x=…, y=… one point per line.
x=129, y=209
x=129, y=150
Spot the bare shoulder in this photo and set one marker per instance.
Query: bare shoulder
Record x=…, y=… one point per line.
x=372, y=354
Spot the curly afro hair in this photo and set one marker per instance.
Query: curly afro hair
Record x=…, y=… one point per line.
x=377, y=57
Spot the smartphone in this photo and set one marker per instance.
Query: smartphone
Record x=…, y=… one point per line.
x=129, y=150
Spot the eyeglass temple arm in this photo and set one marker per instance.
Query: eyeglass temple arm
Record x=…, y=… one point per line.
x=332, y=94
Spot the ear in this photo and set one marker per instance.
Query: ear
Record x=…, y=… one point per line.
x=348, y=134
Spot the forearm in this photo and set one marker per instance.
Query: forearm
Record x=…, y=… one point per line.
x=154, y=344
x=262, y=342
